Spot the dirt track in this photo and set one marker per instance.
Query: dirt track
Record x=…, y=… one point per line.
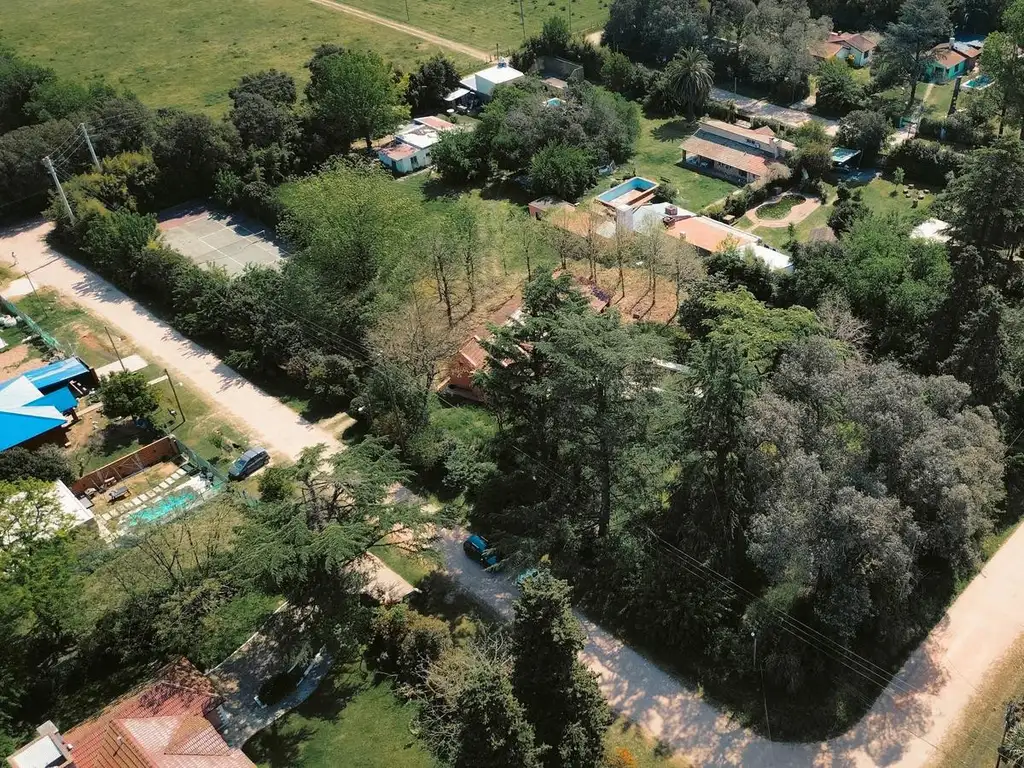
x=422, y=34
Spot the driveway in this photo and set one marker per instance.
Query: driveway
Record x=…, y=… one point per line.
x=901, y=730
x=759, y=108
x=277, y=426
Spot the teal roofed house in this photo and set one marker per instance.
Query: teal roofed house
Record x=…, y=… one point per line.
x=29, y=418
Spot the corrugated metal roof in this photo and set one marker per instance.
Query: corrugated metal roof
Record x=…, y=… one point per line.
x=56, y=373
x=61, y=399
x=21, y=416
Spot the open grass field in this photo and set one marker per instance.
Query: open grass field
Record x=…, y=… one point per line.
x=484, y=25
x=190, y=53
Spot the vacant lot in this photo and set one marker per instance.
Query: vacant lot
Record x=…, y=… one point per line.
x=190, y=53
x=484, y=25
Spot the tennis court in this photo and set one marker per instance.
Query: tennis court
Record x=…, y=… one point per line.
x=211, y=238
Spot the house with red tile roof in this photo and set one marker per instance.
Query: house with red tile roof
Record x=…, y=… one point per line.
x=852, y=47
x=737, y=153
x=169, y=722
x=951, y=59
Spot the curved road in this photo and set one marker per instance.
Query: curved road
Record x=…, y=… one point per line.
x=902, y=729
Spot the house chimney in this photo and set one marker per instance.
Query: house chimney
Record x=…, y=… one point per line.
x=952, y=39
x=774, y=142
x=671, y=210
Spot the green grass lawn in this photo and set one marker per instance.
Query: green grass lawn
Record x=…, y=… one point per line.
x=72, y=326
x=189, y=54
x=348, y=721
x=780, y=208
x=484, y=25
x=936, y=103
x=658, y=157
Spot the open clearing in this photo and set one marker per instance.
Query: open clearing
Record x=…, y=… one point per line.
x=485, y=25
x=189, y=54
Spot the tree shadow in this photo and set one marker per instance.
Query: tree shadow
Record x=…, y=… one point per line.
x=278, y=748
x=674, y=130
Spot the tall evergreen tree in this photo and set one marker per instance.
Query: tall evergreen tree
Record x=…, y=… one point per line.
x=560, y=695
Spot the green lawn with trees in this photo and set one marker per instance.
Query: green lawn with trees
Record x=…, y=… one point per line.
x=190, y=54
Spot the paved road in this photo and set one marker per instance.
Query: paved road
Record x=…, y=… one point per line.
x=430, y=37
x=276, y=425
x=900, y=730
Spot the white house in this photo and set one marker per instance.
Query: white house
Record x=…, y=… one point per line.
x=410, y=149
x=484, y=82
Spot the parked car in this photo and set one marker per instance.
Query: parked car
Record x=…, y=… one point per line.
x=248, y=463
x=477, y=548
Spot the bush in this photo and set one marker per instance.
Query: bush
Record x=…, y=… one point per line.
x=838, y=93
x=865, y=130
x=46, y=463
x=561, y=170
x=456, y=156
x=405, y=643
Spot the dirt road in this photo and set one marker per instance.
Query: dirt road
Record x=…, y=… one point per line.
x=277, y=426
x=903, y=728
x=422, y=34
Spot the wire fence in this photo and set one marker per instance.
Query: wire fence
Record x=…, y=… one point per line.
x=48, y=339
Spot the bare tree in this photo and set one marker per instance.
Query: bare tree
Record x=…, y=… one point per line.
x=687, y=267
x=417, y=338
x=439, y=247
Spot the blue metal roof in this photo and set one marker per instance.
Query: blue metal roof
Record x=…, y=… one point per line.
x=56, y=373
x=61, y=399
x=18, y=427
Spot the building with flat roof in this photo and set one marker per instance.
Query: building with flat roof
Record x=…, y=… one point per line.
x=483, y=83
x=410, y=149
x=741, y=155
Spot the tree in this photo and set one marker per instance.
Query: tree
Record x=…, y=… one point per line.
x=357, y=93
x=864, y=130
x=906, y=48
x=30, y=513
x=126, y=393
x=688, y=80
x=849, y=208
x=307, y=548
x=45, y=463
x=430, y=83
x=564, y=171
x=189, y=149
x=815, y=159
x=58, y=99
x=274, y=86
x=471, y=717
x=1001, y=60
x=559, y=694
x=984, y=204
x=555, y=36
x=653, y=31
x=838, y=92
x=17, y=80
x=776, y=48
x=261, y=122
x=898, y=177
x=456, y=157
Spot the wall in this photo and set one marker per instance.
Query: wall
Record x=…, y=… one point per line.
x=160, y=450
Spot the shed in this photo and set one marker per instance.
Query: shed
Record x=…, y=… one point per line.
x=61, y=374
x=23, y=420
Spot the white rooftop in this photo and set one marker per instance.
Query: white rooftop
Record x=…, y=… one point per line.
x=932, y=229
x=771, y=257
x=499, y=73
x=41, y=753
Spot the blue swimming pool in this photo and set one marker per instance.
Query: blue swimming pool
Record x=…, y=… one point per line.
x=166, y=506
x=554, y=102
x=979, y=82
x=627, y=190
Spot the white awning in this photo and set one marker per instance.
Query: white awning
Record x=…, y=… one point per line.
x=457, y=94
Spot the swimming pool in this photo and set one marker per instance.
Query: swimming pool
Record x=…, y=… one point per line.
x=979, y=82
x=554, y=102
x=628, y=192
x=165, y=506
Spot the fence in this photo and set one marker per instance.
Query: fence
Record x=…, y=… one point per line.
x=47, y=338
x=217, y=478
x=159, y=450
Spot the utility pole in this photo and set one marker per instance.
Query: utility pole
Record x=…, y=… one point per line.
x=27, y=275
x=111, y=338
x=175, y=393
x=522, y=19
x=92, y=152
x=407, y=17
x=53, y=174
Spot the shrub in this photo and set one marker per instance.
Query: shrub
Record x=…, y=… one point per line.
x=925, y=161
x=562, y=170
x=865, y=130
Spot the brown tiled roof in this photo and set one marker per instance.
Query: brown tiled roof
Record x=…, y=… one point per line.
x=826, y=50
x=707, y=234
x=398, y=150
x=735, y=158
x=181, y=741
x=852, y=40
x=946, y=56
x=179, y=689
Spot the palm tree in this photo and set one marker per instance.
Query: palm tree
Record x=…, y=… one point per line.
x=688, y=79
